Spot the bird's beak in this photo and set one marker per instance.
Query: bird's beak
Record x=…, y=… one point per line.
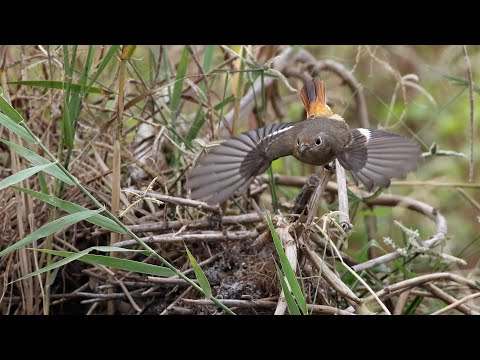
x=302, y=148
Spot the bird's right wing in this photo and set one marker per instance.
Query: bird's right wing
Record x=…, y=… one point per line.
x=233, y=164
x=376, y=156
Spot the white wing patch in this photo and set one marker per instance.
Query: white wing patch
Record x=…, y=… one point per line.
x=280, y=131
x=365, y=132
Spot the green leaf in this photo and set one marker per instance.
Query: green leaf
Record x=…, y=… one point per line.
x=292, y=305
x=72, y=208
x=36, y=159
x=50, y=228
x=61, y=85
x=55, y=265
x=177, y=89
x=287, y=268
x=196, y=126
x=116, y=263
x=200, y=275
x=16, y=128
x=224, y=102
x=108, y=56
x=68, y=132
x=22, y=175
x=8, y=110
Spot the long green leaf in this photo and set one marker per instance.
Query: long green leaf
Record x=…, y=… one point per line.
x=50, y=228
x=55, y=265
x=8, y=110
x=177, y=89
x=116, y=263
x=287, y=268
x=292, y=305
x=200, y=275
x=68, y=132
x=16, y=128
x=22, y=175
x=36, y=159
x=108, y=56
x=72, y=208
x=61, y=85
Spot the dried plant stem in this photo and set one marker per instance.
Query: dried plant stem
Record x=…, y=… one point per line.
x=472, y=128
x=342, y=198
x=457, y=303
x=442, y=295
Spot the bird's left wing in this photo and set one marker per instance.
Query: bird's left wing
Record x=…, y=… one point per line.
x=232, y=165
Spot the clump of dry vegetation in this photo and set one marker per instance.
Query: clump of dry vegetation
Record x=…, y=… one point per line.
x=108, y=133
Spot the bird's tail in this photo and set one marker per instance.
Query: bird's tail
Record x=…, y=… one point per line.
x=375, y=157
x=314, y=98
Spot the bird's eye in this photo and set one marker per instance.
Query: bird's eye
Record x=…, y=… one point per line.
x=298, y=142
x=318, y=141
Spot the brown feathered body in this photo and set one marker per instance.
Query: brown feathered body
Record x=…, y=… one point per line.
x=372, y=156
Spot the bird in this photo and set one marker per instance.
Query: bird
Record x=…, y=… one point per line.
x=372, y=156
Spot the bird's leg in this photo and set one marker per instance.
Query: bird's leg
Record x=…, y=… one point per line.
x=216, y=219
x=330, y=166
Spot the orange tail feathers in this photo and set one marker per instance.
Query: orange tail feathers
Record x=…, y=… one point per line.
x=314, y=100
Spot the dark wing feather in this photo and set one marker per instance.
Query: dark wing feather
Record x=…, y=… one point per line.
x=375, y=157
x=233, y=164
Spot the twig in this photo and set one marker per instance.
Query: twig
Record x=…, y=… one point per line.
x=177, y=200
x=266, y=304
x=402, y=299
x=195, y=224
x=342, y=198
x=330, y=277
x=469, y=198
x=472, y=129
x=447, y=298
x=419, y=280
x=189, y=237
x=317, y=195
x=456, y=303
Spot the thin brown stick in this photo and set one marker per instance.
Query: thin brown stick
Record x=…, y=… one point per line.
x=197, y=237
x=447, y=298
x=342, y=198
x=472, y=128
x=419, y=280
x=168, y=226
x=267, y=304
x=456, y=303
x=200, y=205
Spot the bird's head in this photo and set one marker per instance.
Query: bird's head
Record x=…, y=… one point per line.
x=310, y=143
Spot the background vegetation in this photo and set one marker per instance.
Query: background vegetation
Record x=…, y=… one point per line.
x=122, y=119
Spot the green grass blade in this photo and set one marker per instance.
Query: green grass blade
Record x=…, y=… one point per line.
x=72, y=208
x=36, y=159
x=106, y=60
x=22, y=175
x=199, y=274
x=116, y=263
x=55, y=265
x=8, y=110
x=177, y=89
x=68, y=132
x=16, y=128
x=292, y=305
x=287, y=268
x=50, y=228
x=61, y=85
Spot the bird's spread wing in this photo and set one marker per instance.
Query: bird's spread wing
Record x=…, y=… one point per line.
x=233, y=164
x=376, y=156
